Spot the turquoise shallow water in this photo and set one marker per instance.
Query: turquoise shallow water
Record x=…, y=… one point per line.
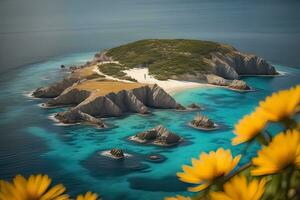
x=31, y=143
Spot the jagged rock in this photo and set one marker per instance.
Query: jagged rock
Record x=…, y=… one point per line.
x=118, y=153
x=147, y=135
x=75, y=116
x=158, y=98
x=158, y=136
x=55, y=89
x=69, y=97
x=180, y=107
x=252, y=65
x=222, y=68
x=164, y=136
x=193, y=106
x=233, y=64
x=217, y=80
x=112, y=104
x=234, y=84
x=239, y=85
x=201, y=121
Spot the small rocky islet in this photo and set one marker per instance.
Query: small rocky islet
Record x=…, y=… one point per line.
x=159, y=136
x=202, y=122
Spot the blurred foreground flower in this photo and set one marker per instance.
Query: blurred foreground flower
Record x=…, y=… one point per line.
x=178, y=197
x=281, y=153
x=281, y=105
x=209, y=168
x=35, y=188
x=238, y=189
x=87, y=196
x=249, y=127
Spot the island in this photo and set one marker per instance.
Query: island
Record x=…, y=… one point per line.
x=202, y=122
x=140, y=75
x=159, y=136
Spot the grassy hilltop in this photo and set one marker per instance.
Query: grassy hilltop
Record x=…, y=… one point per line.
x=165, y=57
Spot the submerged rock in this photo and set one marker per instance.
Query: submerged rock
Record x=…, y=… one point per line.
x=202, y=122
x=155, y=158
x=158, y=136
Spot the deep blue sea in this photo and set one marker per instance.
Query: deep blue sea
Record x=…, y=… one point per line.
x=53, y=32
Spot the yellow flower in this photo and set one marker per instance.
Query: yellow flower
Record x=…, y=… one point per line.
x=87, y=196
x=282, y=152
x=208, y=168
x=281, y=105
x=178, y=197
x=35, y=188
x=249, y=127
x=238, y=189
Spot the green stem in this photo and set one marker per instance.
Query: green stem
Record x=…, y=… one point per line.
x=244, y=167
x=288, y=182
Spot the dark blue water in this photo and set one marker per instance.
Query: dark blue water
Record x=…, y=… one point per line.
x=35, y=30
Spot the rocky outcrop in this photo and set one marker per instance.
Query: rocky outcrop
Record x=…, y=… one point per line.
x=238, y=85
x=233, y=84
x=230, y=66
x=202, y=122
x=193, y=106
x=159, y=98
x=157, y=136
x=74, y=116
x=70, y=96
x=180, y=107
x=55, y=89
x=113, y=104
x=117, y=153
x=233, y=64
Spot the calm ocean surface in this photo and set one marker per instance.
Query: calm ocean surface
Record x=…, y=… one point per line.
x=34, y=30
x=51, y=30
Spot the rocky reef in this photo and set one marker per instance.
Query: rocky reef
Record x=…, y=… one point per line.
x=157, y=136
x=203, y=123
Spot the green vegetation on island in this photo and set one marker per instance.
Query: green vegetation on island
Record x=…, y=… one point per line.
x=115, y=70
x=166, y=57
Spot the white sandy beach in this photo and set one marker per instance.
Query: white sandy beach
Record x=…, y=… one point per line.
x=142, y=76
x=170, y=86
